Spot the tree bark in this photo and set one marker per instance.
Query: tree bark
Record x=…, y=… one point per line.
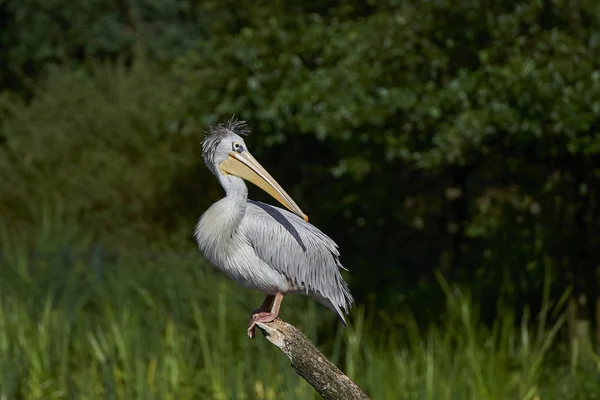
x=308, y=362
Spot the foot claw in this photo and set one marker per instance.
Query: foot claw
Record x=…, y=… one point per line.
x=266, y=313
x=260, y=316
x=251, y=331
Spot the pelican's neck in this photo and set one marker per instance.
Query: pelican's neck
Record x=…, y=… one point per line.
x=236, y=191
x=217, y=227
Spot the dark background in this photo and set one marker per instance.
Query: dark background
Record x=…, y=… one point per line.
x=421, y=135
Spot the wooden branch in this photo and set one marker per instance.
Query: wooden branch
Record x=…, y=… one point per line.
x=310, y=363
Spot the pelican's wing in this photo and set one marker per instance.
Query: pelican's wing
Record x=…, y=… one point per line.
x=299, y=250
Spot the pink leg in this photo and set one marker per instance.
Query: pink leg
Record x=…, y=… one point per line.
x=268, y=311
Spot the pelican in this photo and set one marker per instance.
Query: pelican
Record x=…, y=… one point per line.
x=259, y=246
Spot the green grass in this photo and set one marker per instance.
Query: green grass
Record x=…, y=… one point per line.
x=80, y=324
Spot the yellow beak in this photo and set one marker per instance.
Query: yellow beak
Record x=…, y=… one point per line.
x=244, y=166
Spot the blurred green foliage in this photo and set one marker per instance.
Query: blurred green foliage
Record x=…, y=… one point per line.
x=147, y=324
x=420, y=135
x=106, y=165
x=36, y=34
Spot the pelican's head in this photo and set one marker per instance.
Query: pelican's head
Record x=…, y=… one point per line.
x=225, y=152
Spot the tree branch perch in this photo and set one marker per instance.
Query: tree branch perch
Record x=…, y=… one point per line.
x=310, y=363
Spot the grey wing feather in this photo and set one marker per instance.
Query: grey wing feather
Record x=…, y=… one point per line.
x=300, y=251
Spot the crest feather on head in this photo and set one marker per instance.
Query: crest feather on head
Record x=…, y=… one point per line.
x=218, y=132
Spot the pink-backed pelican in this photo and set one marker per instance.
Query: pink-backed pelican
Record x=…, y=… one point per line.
x=260, y=246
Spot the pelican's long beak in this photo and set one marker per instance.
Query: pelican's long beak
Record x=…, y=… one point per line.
x=244, y=166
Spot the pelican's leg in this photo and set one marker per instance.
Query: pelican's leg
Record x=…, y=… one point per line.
x=267, y=312
x=265, y=307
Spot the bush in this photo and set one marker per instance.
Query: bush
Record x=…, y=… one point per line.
x=103, y=147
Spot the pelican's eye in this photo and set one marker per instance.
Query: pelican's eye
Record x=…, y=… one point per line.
x=238, y=147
